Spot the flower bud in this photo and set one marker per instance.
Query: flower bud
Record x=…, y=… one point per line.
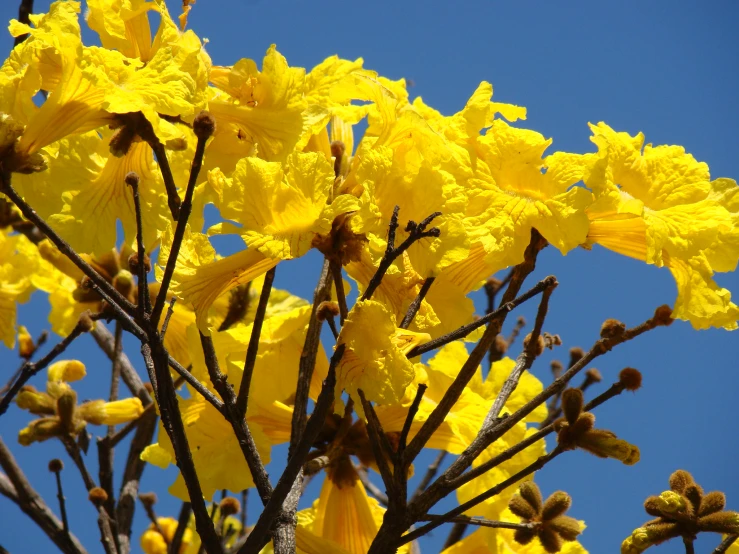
x=520, y=507
x=712, y=502
x=123, y=282
x=572, y=402
x=540, y=344
x=680, y=480
x=40, y=430
x=567, y=527
x=326, y=310
x=556, y=505
x=230, y=506
x=67, y=371
x=720, y=522
x=97, y=496
x=663, y=315
x=630, y=379
x=131, y=179
x=148, y=498
x=204, y=125
x=612, y=328
x=66, y=404
x=99, y=412
x=56, y=465
x=38, y=403
x=576, y=354
x=26, y=348
x=671, y=502
x=529, y=491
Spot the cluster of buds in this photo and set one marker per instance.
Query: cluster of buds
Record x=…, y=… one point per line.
x=575, y=430
x=683, y=511
x=547, y=518
x=61, y=416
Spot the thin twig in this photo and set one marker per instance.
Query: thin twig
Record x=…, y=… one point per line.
x=30, y=214
x=182, y=215
x=24, y=11
x=168, y=316
x=182, y=522
x=373, y=489
x=191, y=380
x=416, y=232
x=132, y=179
x=381, y=448
x=32, y=368
x=725, y=544
x=416, y=304
x=430, y=474
x=412, y=411
x=253, y=349
x=481, y=522
x=340, y=293
x=16, y=487
x=62, y=500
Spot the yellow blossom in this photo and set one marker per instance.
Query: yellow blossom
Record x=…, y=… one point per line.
x=17, y=262
x=154, y=542
x=658, y=205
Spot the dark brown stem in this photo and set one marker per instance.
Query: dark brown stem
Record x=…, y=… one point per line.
x=412, y=411
x=30, y=214
x=496, y=315
x=381, y=448
x=132, y=473
x=237, y=420
x=689, y=548
x=340, y=294
x=308, y=358
x=725, y=544
x=173, y=199
x=157, y=364
x=416, y=231
x=168, y=316
x=373, y=489
x=480, y=522
x=16, y=487
x=182, y=522
x=416, y=304
x=143, y=287
x=62, y=500
x=252, y=350
x=181, y=215
x=494, y=491
x=32, y=368
x=24, y=10
x=256, y=538
x=191, y=380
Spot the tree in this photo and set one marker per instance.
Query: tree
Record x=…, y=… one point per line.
x=417, y=214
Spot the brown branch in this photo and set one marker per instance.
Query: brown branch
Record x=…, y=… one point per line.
x=373, y=489
x=430, y=474
x=381, y=448
x=416, y=304
x=416, y=231
x=97, y=279
x=204, y=127
x=725, y=544
x=412, y=411
x=15, y=486
x=308, y=358
x=168, y=316
x=132, y=476
x=256, y=539
x=32, y=368
x=24, y=10
x=335, y=268
x=452, y=477
x=481, y=522
x=191, y=380
x=252, y=350
x=157, y=364
x=132, y=179
x=182, y=522
x=237, y=420
x=494, y=491
x=496, y=315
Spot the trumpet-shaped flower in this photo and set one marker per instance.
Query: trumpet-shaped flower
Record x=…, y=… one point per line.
x=375, y=356
x=17, y=257
x=658, y=205
x=58, y=406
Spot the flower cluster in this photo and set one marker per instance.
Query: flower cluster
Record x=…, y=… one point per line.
x=145, y=131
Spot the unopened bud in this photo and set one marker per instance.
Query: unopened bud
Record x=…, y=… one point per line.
x=230, y=506
x=337, y=149
x=56, y=465
x=611, y=329
x=663, y=315
x=121, y=141
x=712, y=502
x=680, y=480
x=576, y=353
x=630, y=378
x=556, y=505
x=123, y=282
x=501, y=345
x=131, y=179
x=720, y=522
x=592, y=375
x=557, y=368
x=572, y=402
x=148, y=498
x=327, y=310
x=97, y=496
x=204, y=125
x=540, y=344
x=530, y=492
x=26, y=348
x=567, y=527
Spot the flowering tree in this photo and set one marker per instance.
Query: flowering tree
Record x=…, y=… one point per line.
x=418, y=212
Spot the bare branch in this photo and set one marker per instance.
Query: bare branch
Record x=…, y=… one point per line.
x=416, y=304
x=725, y=544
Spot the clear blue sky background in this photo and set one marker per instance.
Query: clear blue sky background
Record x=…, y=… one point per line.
x=668, y=69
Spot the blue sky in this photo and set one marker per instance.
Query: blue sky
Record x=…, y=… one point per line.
x=665, y=68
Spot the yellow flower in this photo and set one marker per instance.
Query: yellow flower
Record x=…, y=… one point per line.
x=58, y=405
x=154, y=542
x=262, y=109
x=17, y=263
x=658, y=205
x=375, y=356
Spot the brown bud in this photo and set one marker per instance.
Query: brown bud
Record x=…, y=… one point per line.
x=204, y=125
x=86, y=322
x=630, y=378
x=524, y=536
x=493, y=285
x=612, y=328
x=572, y=402
x=131, y=179
x=121, y=141
x=584, y=423
x=540, y=344
x=680, y=480
x=327, y=310
x=133, y=263
x=663, y=315
x=556, y=505
x=557, y=368
x=529, y=491
x=86, y=283
x=337, y=149
x=56, y=465
x=720, y=522
x=653, y=506
x=500, y=345
x=97, y=496
x=712, y=502
x=694, y=493
x=230, y=506
x=576, y=353
x=520, y=507
x=148, y=498
x=550, y=540
x=593, y=375
x=521, y=321
x=567, y=527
